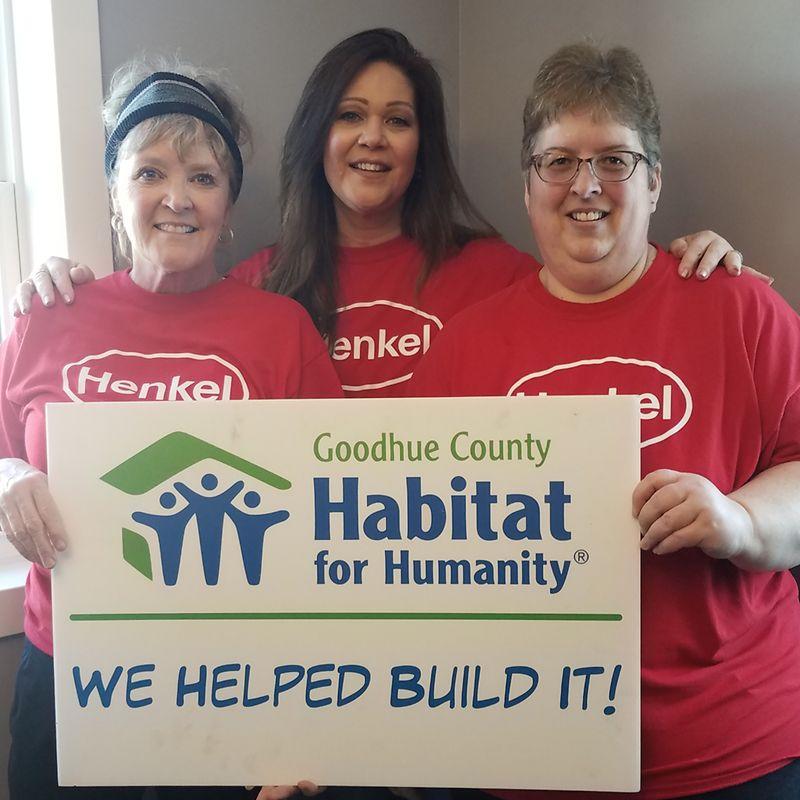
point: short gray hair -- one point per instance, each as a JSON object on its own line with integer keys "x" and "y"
{"x": 581, "y": 77}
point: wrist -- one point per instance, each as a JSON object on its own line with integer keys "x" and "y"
{"x": 749, "y": 551}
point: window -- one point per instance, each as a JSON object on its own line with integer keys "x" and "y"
{"x": 53, "y": 198}
{"x": 9, "y": 136}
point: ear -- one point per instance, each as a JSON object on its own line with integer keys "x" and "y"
{"x": 526, "y": 178}
{"x": 655, "y": 187}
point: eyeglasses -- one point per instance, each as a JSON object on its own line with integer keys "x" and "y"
{"x": 612, "y": 167}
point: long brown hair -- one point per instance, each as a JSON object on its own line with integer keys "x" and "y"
{"x": 437, "y": 213}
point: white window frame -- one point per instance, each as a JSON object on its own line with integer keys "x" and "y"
{"x": 51, "y": 162}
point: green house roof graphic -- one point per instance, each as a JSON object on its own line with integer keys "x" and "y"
{"x": 172, "y": 454}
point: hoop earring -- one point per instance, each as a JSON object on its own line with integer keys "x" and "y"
{"x": 226, "y": 235}
{"x": 116, "y": 223}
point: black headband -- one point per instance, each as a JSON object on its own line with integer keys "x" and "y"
{"x": 169, "y": 93}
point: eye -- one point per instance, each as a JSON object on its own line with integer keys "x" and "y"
{"x": 205, "y": 179}
{"x": 348, "y": 115}
{"x": 614, "y": 160}
{"x": 558, "y": 161}
{"x": 147, "y": 174}
{"x": 399, "y": 122}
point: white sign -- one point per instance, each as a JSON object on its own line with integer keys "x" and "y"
{"x": 436, "y": 592}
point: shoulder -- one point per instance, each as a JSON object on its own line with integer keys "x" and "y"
{"x": 495, "y": 250}
{"x": 489, "y": 317}
{"x": 744, "y": 297}
{"x": 254, "y": 269}
{"x": 490, "y": 263}
{"x": 249, "y": 296}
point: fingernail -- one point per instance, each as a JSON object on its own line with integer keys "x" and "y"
{"x": 684, "y": 273}
{"x": 68, "y": 298}
{"x": 48, "y": 562}
{"x": 48, "y": 301}
{"x": 60, "y": 544}
{"x": 702, "y": 274}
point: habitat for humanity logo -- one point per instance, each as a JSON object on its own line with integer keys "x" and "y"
{"x": 159, "y": 464}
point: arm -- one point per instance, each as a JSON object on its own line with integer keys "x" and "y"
{"x": 701, "y": 253}
{"x": 56, "y": 274}
{"x": 756, "y": 527}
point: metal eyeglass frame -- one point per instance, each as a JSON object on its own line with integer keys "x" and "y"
{"x": 537, "y": 158}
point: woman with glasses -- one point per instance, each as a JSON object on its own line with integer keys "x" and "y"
{"x": 718, "y": 504}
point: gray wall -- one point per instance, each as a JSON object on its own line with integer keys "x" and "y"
{"x": 727, "y": 74}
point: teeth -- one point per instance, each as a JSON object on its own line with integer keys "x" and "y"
{"x": 369, "y": 167}
{"x": 168, "y": 227}
{"x": 587, "y": 216}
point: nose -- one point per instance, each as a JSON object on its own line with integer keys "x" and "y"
{"x": 585, "y": 184}
{"x": 372, "y": 134}
{"x": 177, "y": 196}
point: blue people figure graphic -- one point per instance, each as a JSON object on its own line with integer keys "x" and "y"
{"x": 169, "y": 529}
{"x": 250, "y": 528}
{"x": 210, "y": 511}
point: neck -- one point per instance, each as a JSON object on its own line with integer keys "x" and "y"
{"x": 562, "y": 292}
{"x": 366, "y": 230}
{"x": 160, "y": 281}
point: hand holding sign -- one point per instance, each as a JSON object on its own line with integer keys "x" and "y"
{"x": 28, "y": 515}
{"x": 307, "y": 789}
{"x": 681, "y": 509}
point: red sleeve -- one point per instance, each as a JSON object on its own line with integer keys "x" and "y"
{"x": 318, "y": 378}
{"x": 12, "y": 428}
{"x": 775, "y": 354}
{"x": 524, "y": 265}
{"x": 252, "y": 271}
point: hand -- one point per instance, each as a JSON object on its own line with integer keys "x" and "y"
{"x": 307, "y": 788}
{"x": 28, "y": 514}
{"x": 55, "y": 274}
{"x": 680, "y": 509}
{"x": 701, "y": 253}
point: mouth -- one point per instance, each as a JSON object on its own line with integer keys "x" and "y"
{"x": 172, "y": 227}
{"x": 369, "y": 166}
{"x": 592, "y": 215}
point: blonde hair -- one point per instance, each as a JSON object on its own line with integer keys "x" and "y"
{"x": 180, "y": 131}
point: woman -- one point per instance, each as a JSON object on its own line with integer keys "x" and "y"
{"x": 174, "y": 169}
{"x": 718, "y": 506}
{"x": 379, "y": 240}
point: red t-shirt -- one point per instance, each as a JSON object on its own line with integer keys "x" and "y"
{"x": 384, "y": 325}
{"x": 122, "y": 343}
{"x": 717, "y": 369}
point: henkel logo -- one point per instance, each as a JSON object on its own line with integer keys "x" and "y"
{"x": 120, "y": 375}
{"x": 665, "y": 403}
{"x": 207, "y": 513}
{"x": 379, "y": 342}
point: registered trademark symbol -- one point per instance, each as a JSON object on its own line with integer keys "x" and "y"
{"x": 581, "y": 556}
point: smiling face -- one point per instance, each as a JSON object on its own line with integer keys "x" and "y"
{"x": 592, "y": 235}
{"x": 173, "y": 210}
{"x": 371, "y": 152}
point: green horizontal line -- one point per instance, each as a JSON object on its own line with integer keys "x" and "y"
{"x": 325, "y": 615}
